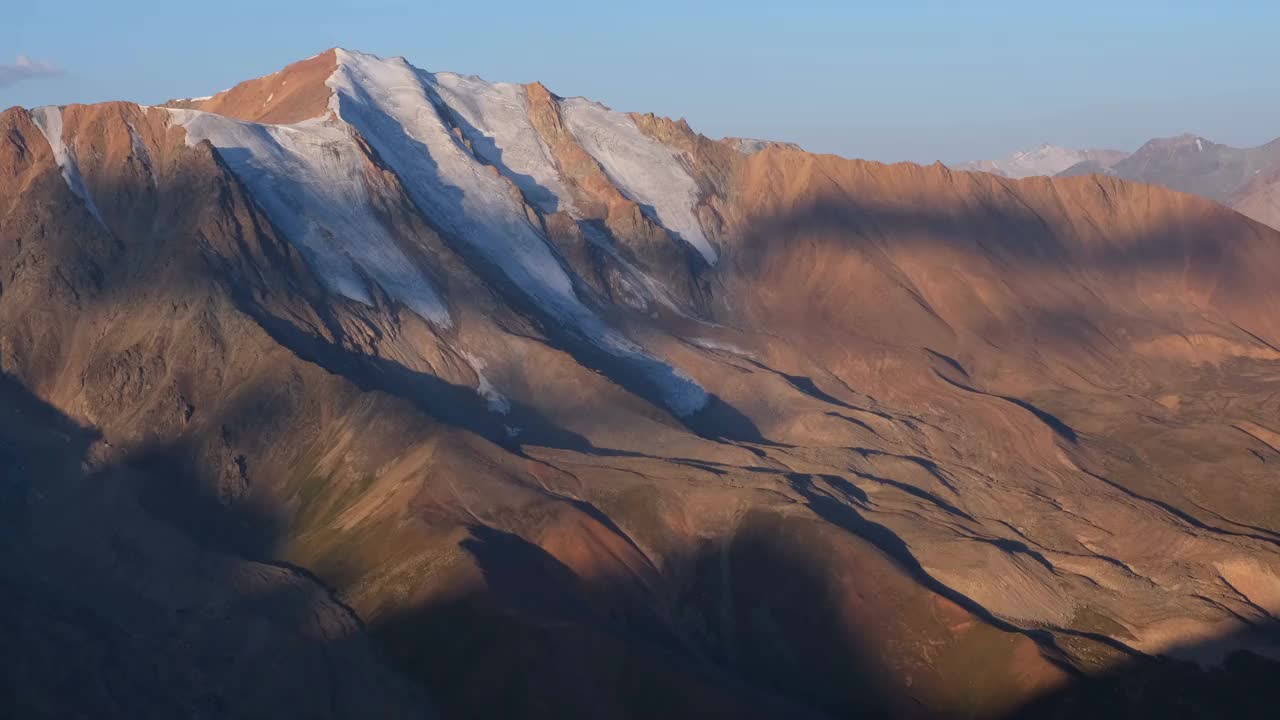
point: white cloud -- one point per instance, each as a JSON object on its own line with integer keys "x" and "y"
{"x": 24, "y": 68}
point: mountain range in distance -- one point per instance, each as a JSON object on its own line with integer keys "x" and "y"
{"x": 1245, "y": 179}
{"x": 1044, "y": 160}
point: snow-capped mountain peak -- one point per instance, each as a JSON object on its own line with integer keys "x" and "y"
{"x": 467, "y": 155}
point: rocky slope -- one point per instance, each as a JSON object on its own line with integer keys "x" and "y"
{"x": 441, "y": 394}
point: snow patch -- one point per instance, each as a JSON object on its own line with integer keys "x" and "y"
{"x": 495, "y": 119}
{"x": 710, "y": 344}
{"x": 644, "y": 169}
{"x": 495, "y": 400}
{"x": 751, "y": 146}
{"x": 49, "y": 120}
{"x": 139, "y": 149}
{"x": 310, "y": 179}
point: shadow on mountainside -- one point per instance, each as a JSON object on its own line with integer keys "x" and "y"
{"x": 1241, "y": 687}
{"x": 997, "y": 224}
{"x": 539, "y": 641}
{"x": 1055, "y": 247}
{"x": 1086, "y": 297}
{"x": 108, "y": 612}
{"x": 754, "y": 630}
{"x": 461, "y": 406}
{"x": 770, "y": 638}
{"x": 456, "y": 405}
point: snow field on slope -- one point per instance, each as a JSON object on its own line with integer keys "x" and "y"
{"x": 495, "y": 118}
{"x": 494, "y": 400}
{"x": 644, "y": 169}
{"x": 388, "y": 102}
{"x": 49, "y": 120}
{"x": 310, "y": 180}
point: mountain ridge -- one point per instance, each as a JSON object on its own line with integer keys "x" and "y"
{"x": 1241, "y": 178}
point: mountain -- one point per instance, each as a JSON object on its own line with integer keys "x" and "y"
{"x": 1246, "y": 179}
{"x": 359, "y": 390}
{"x": 1190, "y": 163}
{"x": 1238, "y": 177}
{"x": 1044, "y": 160}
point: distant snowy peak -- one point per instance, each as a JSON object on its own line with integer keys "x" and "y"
{"x": 1044, "y": 160}
{"x": 751, "y": 146}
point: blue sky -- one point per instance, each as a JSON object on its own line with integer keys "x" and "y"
{"x": 905, "y": 80}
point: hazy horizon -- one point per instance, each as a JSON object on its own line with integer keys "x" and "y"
{"x": 921, "y": 81}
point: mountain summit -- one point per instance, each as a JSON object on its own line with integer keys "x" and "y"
{"x": 359, "y": 390}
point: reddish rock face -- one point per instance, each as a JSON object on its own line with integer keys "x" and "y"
{"x": 961, "y": 441}
{"x": 291, "y": 95}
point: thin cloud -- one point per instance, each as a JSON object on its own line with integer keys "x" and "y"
{"x": 24, "y": 68}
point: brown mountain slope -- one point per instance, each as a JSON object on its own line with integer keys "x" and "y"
{"x": 983, "y": 253}
{"x": 1083, "y": 294}
{"x": 966, "y": 438}
{"x": 294, "y": 94}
